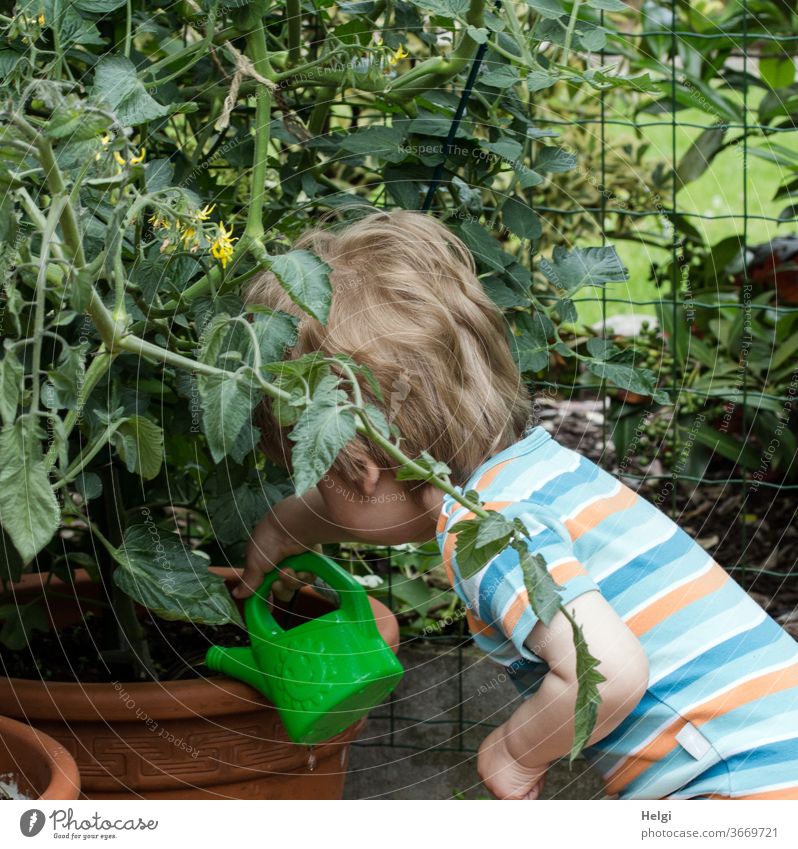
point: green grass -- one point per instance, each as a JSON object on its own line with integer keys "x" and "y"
{"x": 718, "y": 192}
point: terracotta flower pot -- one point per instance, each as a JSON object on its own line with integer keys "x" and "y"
{"x": 40, "y": 767}
{"x": 206, "y": 738}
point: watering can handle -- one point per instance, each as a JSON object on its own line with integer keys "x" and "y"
{"x": 353, "y": 598}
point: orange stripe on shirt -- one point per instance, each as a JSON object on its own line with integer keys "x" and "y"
{"x": 488, "y": 505}
{"x": 677, "y": 599}
{"x": 749, "y": 691}
{"x": 477, "y": 626}
{"x": 563, "y": 572}
{"x": 487, "y": 479}
{"x": 510, "y": 619}
{"x": 595, "y": 513}
{"x": 781, "y": 793}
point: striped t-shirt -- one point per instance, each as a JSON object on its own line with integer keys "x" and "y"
{"x": 720, "y": 715}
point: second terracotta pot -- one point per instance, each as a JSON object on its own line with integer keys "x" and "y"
{"x": 39, "y": 767}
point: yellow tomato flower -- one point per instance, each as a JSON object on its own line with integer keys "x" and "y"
{"x": 222, "y": 247}
{"x": 188, "y": 234}
{"x": 399, "y": 53}
{"x": 158, "y": 221}
{"x": 40, "y": 19}
{"x": 205, "y": 212}
{"x": 134, "y": 160}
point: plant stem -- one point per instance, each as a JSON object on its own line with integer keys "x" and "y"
{"x": 293, "y": 11}
{"x": 128, "y": 26}
{"x": 256, "y": 42}
{"x": 56, "y": 208}
{"x": 97, "y": 368}
{"x": 87, "y": 456}
{"x": 569, "y": 32}
{"x": 130, "y": 632}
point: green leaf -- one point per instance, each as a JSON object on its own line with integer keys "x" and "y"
{"x": 638, "y": 82}
{"x": 504, "y": 148}
{"x": 67, "y": 378}
{"x": 413, "y": 592}
{"x": 29, "y": 511}
{"x": 140, "y": 445}
{"x": 608, "y": 5}
{"x": 601, "y": 349}
{"x": 306, "y": 279}
{"x": 10, "y": 381}
{"x": 472, "y": 557}
{"x": 89, "y": 485}
{"x": 521, "y": 219}
{"x": 543, "y": 591}
{"x": 700, "y": 155}
{"x": 554, "y": 159}
{"x": 275, "y": 332}
{"x": 479, "y": 35}
{"x": 116, "y": 83}
{"x": 643, "y": 381}
{"x": 324, "y": 427}
{"x": 503, "y": 76}
{"x": 551, "y": 9}
{"x": 227, "y": 404}
{"x": 71, "y": 121}
{"x": 383, "y": 142}
{"x": 531, "y": 346}
{"x": 527, "y": 178}
{"x": 593, "y": 39}
{"x": 19, "y": 623}
{"x": 539, "y": 80}
{"x": 588, "y": 697}
{"x": 235, "y": 510}
{"x": 777, "y": 71}
{"x": 571, "y": 270}
{"x": 484, "y": 246}
{"x": 493, "y": 528}
{"x": 724, "y": 444}
{"x": 98, "y": 7}
{"x": 298, "y": 377}
{"x": 157, "y": 570}
{"x": 446, "y": 8}
{"x": 79, "y": 288}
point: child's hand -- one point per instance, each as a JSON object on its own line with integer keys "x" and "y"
{"x": 268, "y": 546}
{"x": 501, "y": 773}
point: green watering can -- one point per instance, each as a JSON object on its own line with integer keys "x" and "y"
{"x": 324, "y": 674}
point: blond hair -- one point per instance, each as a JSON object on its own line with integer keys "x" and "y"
{"x": 407, "y": 303}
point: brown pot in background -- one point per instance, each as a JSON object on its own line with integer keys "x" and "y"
{"x": 40, "y": 766}
{"x": 206, "y": 738}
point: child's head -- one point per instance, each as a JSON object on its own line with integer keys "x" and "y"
{"x": 407, "y": 303}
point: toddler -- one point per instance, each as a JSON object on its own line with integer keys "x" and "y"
{"x": 700, "y": 698}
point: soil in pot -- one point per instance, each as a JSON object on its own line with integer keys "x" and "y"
{"x": 202, "y": 737}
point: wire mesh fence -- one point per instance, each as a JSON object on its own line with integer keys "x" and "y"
{"x": 722, "y": 307}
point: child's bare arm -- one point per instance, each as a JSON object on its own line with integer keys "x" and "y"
{"x": 335, "y": 512}
{"x": 514, "y": 758}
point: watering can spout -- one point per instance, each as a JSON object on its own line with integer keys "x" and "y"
{"x": 236, "y": 663}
